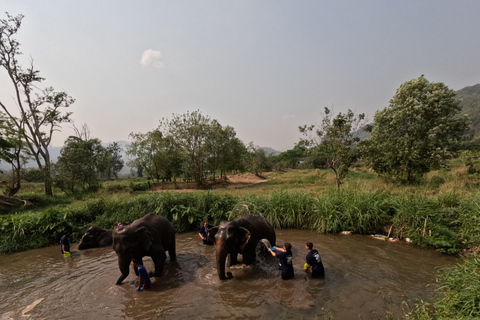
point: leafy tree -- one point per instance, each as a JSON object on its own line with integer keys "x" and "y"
{"x": 154, "y": 154}
{"x": 289, "y": 158}
{"x": 417, "y": 132}
{"x": 5, "y": 148}
{"x": 18, "y": 154}
{"x": 225, "y": 150}
{"x": 336, "y": 138}
{"x": 113, "y": 158}
{"x": 190, "y": 132}
{"x": 256, "y": 161}
{"x": 38, "y": 112}
{"x": 203, "y": 144}
{"x": 80, "y": 164}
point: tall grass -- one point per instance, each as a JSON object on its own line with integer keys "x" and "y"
{"x": 457, "y": 294}
{"x": 443, "y": 221}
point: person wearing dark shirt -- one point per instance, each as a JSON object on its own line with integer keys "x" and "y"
{"x": 141, "y": 271}
{"x": 64, "y": 244}
{"x": 286, "y": 259}
{"x": 203, "y": 233}
{"x": 314, "y": 262}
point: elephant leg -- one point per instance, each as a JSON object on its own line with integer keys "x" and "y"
{"x": 249, "y": 257}
{"x": 159, "y": 261}
{"x": 171, "y": 251}
{"x": 233, "y": 259}
{"x": 124, "y": 265}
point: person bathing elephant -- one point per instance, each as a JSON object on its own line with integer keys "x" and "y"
{"x": 95, "y": 237}
{"x": 239, "y": 236}
{"x": 151, "y": 235}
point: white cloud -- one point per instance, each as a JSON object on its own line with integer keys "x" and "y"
{"x": 152, "y": 57}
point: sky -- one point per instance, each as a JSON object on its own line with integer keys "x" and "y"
{"x": 263, "y": 67}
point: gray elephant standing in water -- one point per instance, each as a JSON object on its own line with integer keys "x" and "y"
{"x": 239, "y": 236}
{"x": 151, "y": 236}
{"x": 96, "y": 237}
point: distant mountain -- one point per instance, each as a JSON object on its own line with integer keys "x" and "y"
{"x": 470, "y": 102}
{"x": 270, "y": 152}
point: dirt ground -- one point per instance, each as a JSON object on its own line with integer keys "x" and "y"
{"x": 233, "y": 181}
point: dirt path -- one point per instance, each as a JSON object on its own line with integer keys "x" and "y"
{"x": 234, "y": 181}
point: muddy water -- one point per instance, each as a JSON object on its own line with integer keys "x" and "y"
{"x": 364, "y": 276}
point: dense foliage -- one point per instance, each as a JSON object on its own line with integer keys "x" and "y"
{"x": 418, "y": 132}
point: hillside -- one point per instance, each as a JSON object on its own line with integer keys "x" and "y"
{"x": 470, "y": 102}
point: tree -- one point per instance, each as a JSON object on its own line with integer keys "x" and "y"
{"x": 113, "y": 160}
{"x": 417, "y": 132}
{"x": 154, "y": 154}
{"x": 38, "y": 112}
{"x": 336, "y": 138}
{"x": 18, "y": 154}
{"x": 289, "y": 158}
{"x": 80, "y": 164}
{"x": 256, "y": 160}
{"x": 190, "y": 132}
{"x": 226, "y": 152}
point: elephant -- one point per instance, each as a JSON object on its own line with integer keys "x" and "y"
{"x": 239, "y": 236}
{"x": 96, "y": 237}
{"x": 151, "y": 235}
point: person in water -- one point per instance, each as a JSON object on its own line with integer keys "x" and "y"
{"x": 142, "y": 273}
{"x": 286, "y": 259}
{"x": 314, "y": 262}
{"x": 64, "y": 243}
{"x": 203, "y": 233}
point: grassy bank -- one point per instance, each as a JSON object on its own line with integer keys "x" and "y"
{"x": 446, "y": 222}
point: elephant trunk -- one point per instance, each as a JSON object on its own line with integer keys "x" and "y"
{"x": 222, "y": 254}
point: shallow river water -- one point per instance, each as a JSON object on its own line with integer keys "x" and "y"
{"x": 365, "y": 279}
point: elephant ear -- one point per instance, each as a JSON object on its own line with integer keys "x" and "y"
{"x": 211, "y": 233}
{"x": 145, "y": 238}
{"x": 243, "y": 238}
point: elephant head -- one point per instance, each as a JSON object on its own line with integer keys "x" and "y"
{"x": 95, "y": 237}
{"x": 230, "y": 239}
{"x": 130, "y": 242}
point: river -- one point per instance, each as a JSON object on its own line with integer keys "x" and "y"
{"x": 365, "y": 279}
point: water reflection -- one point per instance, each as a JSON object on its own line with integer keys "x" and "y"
{"x": 42, "y": 284}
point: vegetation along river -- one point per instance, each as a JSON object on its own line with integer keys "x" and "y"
{"x": 365, "y": 278}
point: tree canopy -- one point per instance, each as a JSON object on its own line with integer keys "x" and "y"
{"x": 417, "y": 132}
{"x": 336, "y": 138}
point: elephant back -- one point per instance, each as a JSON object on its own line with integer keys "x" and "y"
{"x": 160, "y": 229}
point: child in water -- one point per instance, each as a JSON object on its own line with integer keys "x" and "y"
{"x": 142, "y": 273}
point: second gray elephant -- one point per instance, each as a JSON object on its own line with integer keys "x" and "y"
{"x": 239, "y": 236}
{"x": 96, "y": 237}
{"x": 152, "y": 236}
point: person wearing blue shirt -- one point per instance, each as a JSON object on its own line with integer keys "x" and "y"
{"x": 142, "y": 273}
{"x": 286, "y": 259}
{"x": 314, "y": 262}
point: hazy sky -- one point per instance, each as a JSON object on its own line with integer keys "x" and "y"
{"x": 263, "y": 67}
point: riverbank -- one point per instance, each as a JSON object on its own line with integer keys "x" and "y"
{"x": 445, "y": 222}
